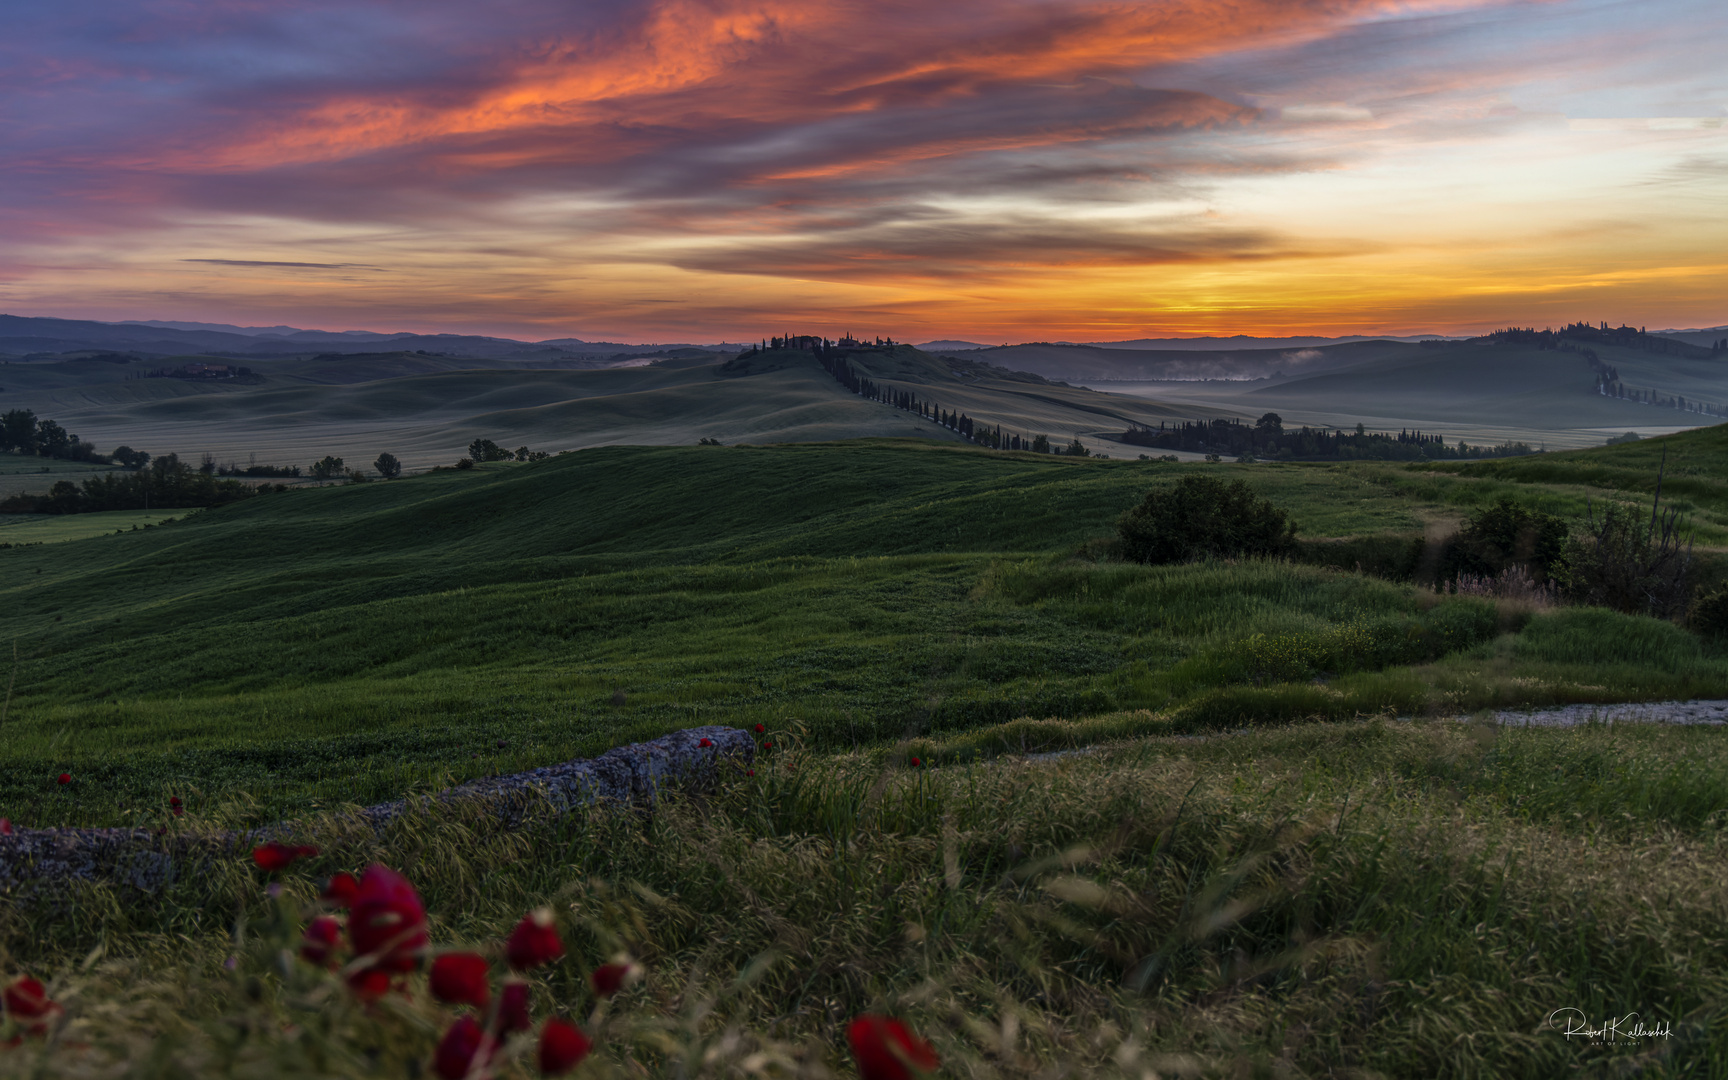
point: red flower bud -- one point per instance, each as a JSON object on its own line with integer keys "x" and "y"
{"x": 369, "y": 984}
{"x": 513, "y": 1012}
{"x": 608, "y": 979}
{"x": 706, "y": 742}
{"x": 534, "y": 941}
{"x": 341, "y": 890}
{"x": 562, "y": 1047}
{"x": 28, "y": 1004}
{"x": 462, "y": 979}
{"x": 320, "y": 940}
{"x": 464, "y": 1048}
{"x": 760, "y": 729}
{"x": 173, "y": 800}
{"x": 64, "y": 778}
{"x": 886, "y": 1049}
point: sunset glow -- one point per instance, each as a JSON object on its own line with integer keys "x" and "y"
{"x": 703, "y": 170}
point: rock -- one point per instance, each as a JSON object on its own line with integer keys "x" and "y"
{"x": 149, "y": 861}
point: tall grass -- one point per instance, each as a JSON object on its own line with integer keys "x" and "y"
{"x": 1371, "y": 898}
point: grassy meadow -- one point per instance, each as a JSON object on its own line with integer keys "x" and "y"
{"x": 1246, "y": 866}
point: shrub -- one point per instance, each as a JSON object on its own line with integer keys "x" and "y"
{"x": 1201, "y": 517}
{"x": 1503, "y": 536}
{"x": 1708, "y": 616}
{"x": 1629, "y": 564}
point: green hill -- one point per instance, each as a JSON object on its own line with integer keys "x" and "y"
{"x": 350, "y": 643}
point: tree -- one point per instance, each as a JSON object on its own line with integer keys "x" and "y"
{"x": 18, "y": 431}
{"x": 1041, "y": 444}
{"x": 52, "y": 440}
{"x": 387, "y": 465}
{"x": 132, "y": 459}
{"x": 1077, "y": 449}
{"x": 487, "y": 450}
{"x": 1270, "y": 424}
{"x": 1202, "y": 517}
{"x": 327, "y": 467}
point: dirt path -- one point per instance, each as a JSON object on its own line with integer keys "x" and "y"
{"x": 1642, "y": 712}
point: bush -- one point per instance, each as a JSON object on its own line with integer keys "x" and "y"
{"x": 1633, "y": 564}
{"x": 1501, "y": 537}
{"x": 1203, "y": 517}
{"x": 1708, "y": 616}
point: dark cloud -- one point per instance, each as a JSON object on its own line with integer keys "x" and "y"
{"x": 294, "y": 265}
{"x": 949, "y": 249}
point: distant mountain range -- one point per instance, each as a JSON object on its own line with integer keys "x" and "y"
{"x": 1237, "y": 342}
{"x": 1234, "y": 343}
{"x": 24, "y": 337}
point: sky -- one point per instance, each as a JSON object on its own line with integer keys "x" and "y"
{"x": 989, "y": 170}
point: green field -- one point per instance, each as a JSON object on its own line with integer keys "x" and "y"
{"x": 346, "y": 644}
{"x": 18, "y": 529}
{"x": 1249, "y": 867}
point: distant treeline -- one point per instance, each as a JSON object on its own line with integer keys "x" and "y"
{"x": 197, "y": 371}
{"x": 832, "y": 355}
{"x": 1580, "y": 336}
{"x": 1625, "y": 337}
{"x": 1269, "y": 439}
{"x": 166, "y": 482}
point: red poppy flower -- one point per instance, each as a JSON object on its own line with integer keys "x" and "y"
{"x": 749, "y": 772}
{"x": 706, "y": 742}
{"x": 886, "y": 1049}
{"x": 767, "y": 746}
{"x": 341, "y": 890}
{"x": 369, "y": 984}
{"x": 65, "y": 778}
{"x": 562, "y": 1047}
{"x": 174, "y": 800}
{"x": 274, "y": 856}
{"x": 462, "y": 979}
{"x": 916, "y": 763}
{"x": 321, "y": 938}
{"x": 760, "y": 729}
{"x": 179, "y": 811}
{"x": 464, "y": 1048}
{"x": 28, "y": 1004}
{"x": 513, "y": 1008}
{"x": 388, "y": 923}
{"x": 5, "y": 826}
{"x": 608, "y": 979}
{"x": 534, "y": 941}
